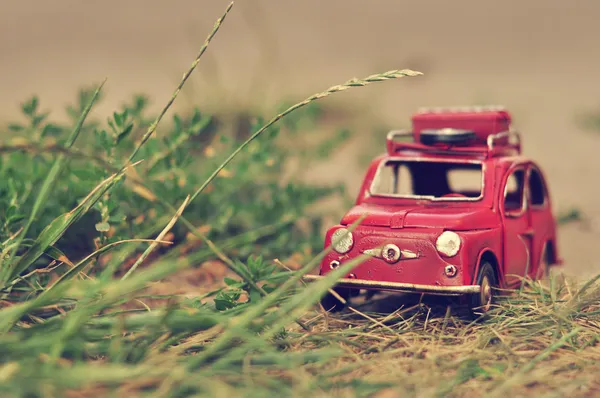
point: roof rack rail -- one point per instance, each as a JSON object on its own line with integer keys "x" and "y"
{"x": 399, "y": 133}
{"x": 392, "y": 135}
{"x": 462, "y": 109}
{"x": 492, "y": 138}
{"x": 491, "y": 149}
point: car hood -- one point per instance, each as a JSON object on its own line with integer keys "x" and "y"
{"x": 451, "y": 217}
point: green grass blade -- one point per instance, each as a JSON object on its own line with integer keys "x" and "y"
{"x": 584, "y": 288}
{"x": 158, "y": 238}
{"x": 292, "y": 309}
{"x": 71, "y": 273}
{"x": 242, "y": 323}
{"x": 55, "y": 230}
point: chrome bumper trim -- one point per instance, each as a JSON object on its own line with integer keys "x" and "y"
{"x": 401, "y": 287}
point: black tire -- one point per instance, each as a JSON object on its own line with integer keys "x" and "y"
{"x": 481, "y": 303}
{"x": 543, "y": 271}
{"x": 370, "y": 294}
{"x": 330, "y": 303}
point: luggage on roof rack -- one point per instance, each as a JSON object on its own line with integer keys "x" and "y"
{"x": 481, "y": 131}
{"x": 447, "y": 136}
{"x": 482, "y": 121}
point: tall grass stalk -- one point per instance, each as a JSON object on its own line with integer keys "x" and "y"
{"x": 393, "y": 74}
{"x": 185, "y": 77}
{"x": 159, "y": 238}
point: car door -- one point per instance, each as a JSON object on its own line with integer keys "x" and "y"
{"x": 517, "y": 231}
{"x": 540, "y": 215}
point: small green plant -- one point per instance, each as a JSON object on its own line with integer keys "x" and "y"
{"x": 258, "y": 271}
{"x": 97, "y": 210}
{"x": 249, "y": 196}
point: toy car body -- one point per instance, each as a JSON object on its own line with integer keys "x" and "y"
{"x": 457, "y": 211}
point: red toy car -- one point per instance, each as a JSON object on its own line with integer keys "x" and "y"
{"x": 458, "y": 211}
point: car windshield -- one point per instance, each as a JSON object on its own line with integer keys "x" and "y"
{"x": 434, "y": 180}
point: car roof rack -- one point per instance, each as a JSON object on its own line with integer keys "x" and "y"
{"x": 447, "y": 136}
{"x": 462, "y": 109}
{"x": 497, "y": 145}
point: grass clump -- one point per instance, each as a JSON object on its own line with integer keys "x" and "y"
{"x": 95, "y": 214}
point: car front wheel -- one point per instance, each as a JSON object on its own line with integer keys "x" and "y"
{"x": 331, "y": 303}
{"x": 481, "y": 303}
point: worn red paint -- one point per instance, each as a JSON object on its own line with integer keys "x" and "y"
{"x": 509, "y": 231}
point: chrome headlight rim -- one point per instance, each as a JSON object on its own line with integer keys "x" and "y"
{"x": 346, "y": 243}
{"x": 448, "y": 243}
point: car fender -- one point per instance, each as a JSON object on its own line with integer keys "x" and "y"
{"x": 496, "y": 264}
{"x": 475, "y": 245}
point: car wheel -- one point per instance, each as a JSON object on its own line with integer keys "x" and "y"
{"x": 543, "y": 270}
{"x": 481, "y": 303}
{"x": 331, "y": 303}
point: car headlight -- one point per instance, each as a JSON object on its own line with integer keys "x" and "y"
{"x": 448, "y": 243}
{"x": 344, "y": 240}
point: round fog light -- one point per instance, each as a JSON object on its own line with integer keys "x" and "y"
{"x": 334, "y": 264}
{"x": 450, "y": 270}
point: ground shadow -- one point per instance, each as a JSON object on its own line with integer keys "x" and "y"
{"x": 384, "y": 303}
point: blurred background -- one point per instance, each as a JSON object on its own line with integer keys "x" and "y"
{"x": 538, "y": 58}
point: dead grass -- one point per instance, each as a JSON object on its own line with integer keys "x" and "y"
{"x": 541, "y": 342}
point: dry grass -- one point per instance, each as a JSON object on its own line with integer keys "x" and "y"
{"x": 542, "y": 341}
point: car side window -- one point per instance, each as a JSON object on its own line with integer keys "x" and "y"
{"x": 513, "y": 191}
{"x": 537, "y": 190}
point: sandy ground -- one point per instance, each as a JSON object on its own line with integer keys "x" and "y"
{"x": 539, "y": 58}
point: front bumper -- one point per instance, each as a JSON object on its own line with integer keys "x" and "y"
{"x": 401, "y": 287}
